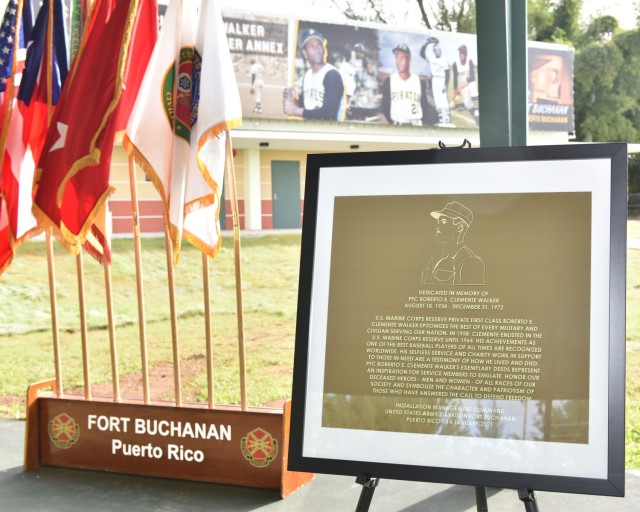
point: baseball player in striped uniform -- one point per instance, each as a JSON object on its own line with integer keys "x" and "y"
{"x": 257, "y": 82}
{"x": 403, "y": 92}
{"x": 439, "y": 66}
{"x": 464, "y": 82}
{"x": 323, "y": 94}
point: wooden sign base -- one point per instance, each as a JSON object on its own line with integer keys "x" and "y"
{"x": 223, "y": 445}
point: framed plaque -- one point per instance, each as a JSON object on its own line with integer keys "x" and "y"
{"x": 461, "y": 317}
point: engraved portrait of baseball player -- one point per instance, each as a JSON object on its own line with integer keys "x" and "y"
{"x": 323, "y": 94}
{"x": 404, "y": 98}
{"x": 439, "y": 65}
{"x": 455, "y": 263}
{"x": 464, "y": 82}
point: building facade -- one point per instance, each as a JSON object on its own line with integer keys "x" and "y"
{"x": 398, "y": 90}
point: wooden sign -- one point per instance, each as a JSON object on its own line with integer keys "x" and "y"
{"x": 222, "y": 445}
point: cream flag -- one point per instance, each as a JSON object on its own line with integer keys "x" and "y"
{"x": 218, "y": 111}
{"x": 176, "y": 133}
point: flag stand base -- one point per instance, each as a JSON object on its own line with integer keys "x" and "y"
{"x": 223, "y": 445}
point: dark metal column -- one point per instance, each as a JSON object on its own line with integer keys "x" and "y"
{"x": 502, "y": 72}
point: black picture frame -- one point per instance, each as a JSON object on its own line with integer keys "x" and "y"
{"x": 328, "y": 176}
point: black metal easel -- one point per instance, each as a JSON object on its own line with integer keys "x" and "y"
{"x": 465, "y": 144}
{"x": 528, "y": 498}
{"x": 369, "y": 483}
{"x": 481, "y": 499}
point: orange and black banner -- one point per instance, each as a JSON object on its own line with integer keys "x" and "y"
{"x": 550, "y": 89}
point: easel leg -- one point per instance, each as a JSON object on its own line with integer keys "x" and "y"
{"x": 366, "y": 495}
{"x": 481, "y": 499}
{"x": 529, "y": 500}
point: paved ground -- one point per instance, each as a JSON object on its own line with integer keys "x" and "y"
{"x": 53, "y": 489}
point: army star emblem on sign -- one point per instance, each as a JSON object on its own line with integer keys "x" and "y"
{"x": 64, "y": 431}
{"x": 259, "y": 447}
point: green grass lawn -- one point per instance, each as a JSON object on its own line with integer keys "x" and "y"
{"x": 270, "y": 283}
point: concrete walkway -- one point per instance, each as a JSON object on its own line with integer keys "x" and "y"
{"x": 49, "y": 489}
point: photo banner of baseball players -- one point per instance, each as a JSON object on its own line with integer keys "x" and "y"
{"x": 260, "y": 53}
{"x": 428, "y": 80}
{"x": 292, "y": 69}
{"x": 550, "y": 88}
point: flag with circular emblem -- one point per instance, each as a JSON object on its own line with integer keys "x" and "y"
{"x": 188, "y": 99}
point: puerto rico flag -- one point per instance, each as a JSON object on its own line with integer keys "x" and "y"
{"x": 41, "y": 81}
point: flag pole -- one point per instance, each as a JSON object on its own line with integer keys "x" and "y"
{"x": 50, "y": 64}
{"x": 83, "y": 327}
{"x": 112, "y": 332}
{"x": 54, "y": 315}
{"x": 139, "y": 282}
{"x": 174, "y": 320}
{"x": 7, "y": 117}
{"x": 79, "y": 267}
{"x": 236, "y": 250}
{"x": 50, "y": 264}
{"x": 207, "y": 328}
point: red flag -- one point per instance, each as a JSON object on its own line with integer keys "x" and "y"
{"x": 72, "y": 178}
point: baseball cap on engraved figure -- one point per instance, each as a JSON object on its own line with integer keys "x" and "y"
{"x": 455, "y": 210}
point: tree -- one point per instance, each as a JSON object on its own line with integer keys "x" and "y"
{"x": 367, "y": 10}
{"x": 540, "y": 20}
{"x": 600, "y": 29}
{"x": 457, "y": 16}
{"x": 606, "y": 68}
{"x": 607, "y": 78}
{"x": 567, "y": 20}
{"x": 447, "y": 15}
{"x": 554, "y": 21}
